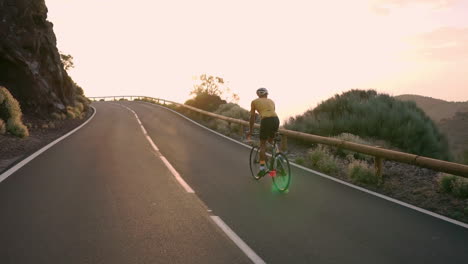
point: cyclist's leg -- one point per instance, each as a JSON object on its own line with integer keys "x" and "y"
{"x": 273, "y": 129}
{"x": 262, "y": 151}
{"x": 263, "y": 138}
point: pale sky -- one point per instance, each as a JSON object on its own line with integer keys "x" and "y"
{"x": 303, "y": 52}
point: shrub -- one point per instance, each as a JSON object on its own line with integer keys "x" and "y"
{"x": 361, "y": 172}
{"x": 229, "y": 110}
{"x": 371, "y": 115}
{"x": 205, "y": 101}
{"x": 446, "y": 183}
{"x": 460, "y": 188}
{"x": 455, "y": 185}
{"x": 79, "y": 107}
{"x": 354, "y": 139}
{"x": 300, "y": 161}
{"x": 71, "y": 113}
{"x": 56, "y": 116}
{"x": 17, "y": 128}
{"x": 321, "y": 159}
{"x": 10, "y": 111}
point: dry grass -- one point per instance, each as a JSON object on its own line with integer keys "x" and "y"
{"x": 10, "y": 111}
{"x": 457, "y": 186}
{"x": 322, "y": 160}
{"x": 360, "y": 172}
{"x": 78, "y": 111}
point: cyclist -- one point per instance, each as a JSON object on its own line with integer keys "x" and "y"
{"x": 268, "y": 126}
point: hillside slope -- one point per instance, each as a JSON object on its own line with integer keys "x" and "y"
{"x": 451, "y": 118}
{"x": 436, "y": 109}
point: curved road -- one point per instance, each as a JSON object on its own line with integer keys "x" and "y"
{"x": 103, "y": 196}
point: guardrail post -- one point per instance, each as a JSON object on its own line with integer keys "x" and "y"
{"x": 378, "y": 162}
{"x": 241, "y": 130}
{"x": 284, "y": 143}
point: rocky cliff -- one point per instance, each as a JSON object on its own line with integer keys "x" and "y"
{"x": 30, "y": 65}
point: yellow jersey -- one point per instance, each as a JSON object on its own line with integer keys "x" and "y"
{"x": 265, "y": 107}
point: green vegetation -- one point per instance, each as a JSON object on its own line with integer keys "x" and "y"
{"x": 457, "y": 186}
{"x": 10, "y": 111}
{"x": 322, "y": 160}
{"x": 67, "y": 61}
{"x": 379, "y": 116}
{"x": 208, "y": 93}
{"x": 361, "y": 172}
{"x": 229, "y": 110}
{"x": 355, "y": 139}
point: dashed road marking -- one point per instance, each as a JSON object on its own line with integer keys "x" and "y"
{"x": 237, "y": 240}
{"x": 158, "y": 153}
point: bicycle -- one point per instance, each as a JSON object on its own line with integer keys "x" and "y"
{"x": 277, "y": 164}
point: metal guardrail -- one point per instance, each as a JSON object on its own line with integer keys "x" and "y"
{"x": 379, "y": 153}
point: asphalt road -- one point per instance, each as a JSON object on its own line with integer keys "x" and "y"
{"x": 102, "y": 196}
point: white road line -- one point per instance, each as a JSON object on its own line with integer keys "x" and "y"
{"x": 421, "y": 210}
{"x": 158, "y": 153}
{"x": 228, "y": 231}
{"x": 20, "y": 164}
{"x": 237, "y": 240}
{"x": 177, "y": 175}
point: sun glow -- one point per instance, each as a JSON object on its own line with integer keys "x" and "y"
{"x": 303, "y": 51}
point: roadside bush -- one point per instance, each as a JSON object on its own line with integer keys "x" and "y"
{"x": 360, "y": 172}
{"x": 446, "y": 183}
{"x": 10, "y": 111}
{"x": 73, "y": 112}
{"x": 229, "y": 110}
{"x": 354, "y": 139}
{"x": 460, "y": 188}
{"x": 455, "y": 185}
{"x": 58, "y": 116}
{"x": 379, "y": 116}
{"x": 300, "y": 161}
{"x": 205, "y": 101}
{"x": 321, "y": 159}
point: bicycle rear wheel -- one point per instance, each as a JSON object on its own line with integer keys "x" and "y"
{"x": 254, "y": 162}
{"x": 282, "y": 179}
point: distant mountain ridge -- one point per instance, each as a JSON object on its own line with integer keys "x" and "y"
{"x": 450, "y": 117}
{"x": 436, "y": 109}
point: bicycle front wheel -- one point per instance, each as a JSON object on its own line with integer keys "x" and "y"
{"x": 282, "y": 179}
{"x": 254, "y": 162}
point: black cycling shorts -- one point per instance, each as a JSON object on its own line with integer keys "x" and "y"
{"x": 268, "y": 127}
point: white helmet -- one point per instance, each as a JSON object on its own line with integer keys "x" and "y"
{"x": 262, "y": 91}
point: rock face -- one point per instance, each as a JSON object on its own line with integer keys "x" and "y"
{"x": 30, "y": 65}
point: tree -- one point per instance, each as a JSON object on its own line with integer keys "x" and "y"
{"x": 214, "y": 86}
{"x": 67, "y": 61}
